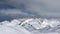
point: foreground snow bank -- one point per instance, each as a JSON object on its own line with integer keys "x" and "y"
{"x": 8, "y": 30}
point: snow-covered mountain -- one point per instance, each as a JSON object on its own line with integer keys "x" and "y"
{"x": 32, "y": 25}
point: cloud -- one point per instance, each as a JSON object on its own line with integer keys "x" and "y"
{"x": 12, "y": 11}
{"x": 49, "y": 8}
{"x": 15, "y": 3}
{"x": 9, "y": 14}
{"x": 15, "y": 13}
{"x": 44, "y": 8}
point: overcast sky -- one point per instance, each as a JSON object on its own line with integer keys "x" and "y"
{"x": 29, "y": 8}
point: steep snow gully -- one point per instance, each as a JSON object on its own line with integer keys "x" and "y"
{"x": 30, "y": 26}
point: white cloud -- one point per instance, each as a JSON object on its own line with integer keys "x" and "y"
{"x": 12, "y": 11}
{"x": 15, "y": 12}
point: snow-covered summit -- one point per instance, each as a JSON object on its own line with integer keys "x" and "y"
{"x": 32, "y": 24}
{"x": 41, "y": 23}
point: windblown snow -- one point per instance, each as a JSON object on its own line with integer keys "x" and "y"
{"x": 30, "y": 26}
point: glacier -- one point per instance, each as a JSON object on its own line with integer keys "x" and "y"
{"x": 30, "y": 26}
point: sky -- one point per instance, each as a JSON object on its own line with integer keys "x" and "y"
{"x": 12, "y": 9}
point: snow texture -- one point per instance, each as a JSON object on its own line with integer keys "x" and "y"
{"x": 30, "y": 26}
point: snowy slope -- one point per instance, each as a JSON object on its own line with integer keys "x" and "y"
{"x": 8, "y": 30}
{"x": 30, "y": 26}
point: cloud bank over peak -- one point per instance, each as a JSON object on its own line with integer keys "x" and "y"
{"x": 45, "y": 8}
{"x": 15, "y": 13}
{"x": 32, "y": 8}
